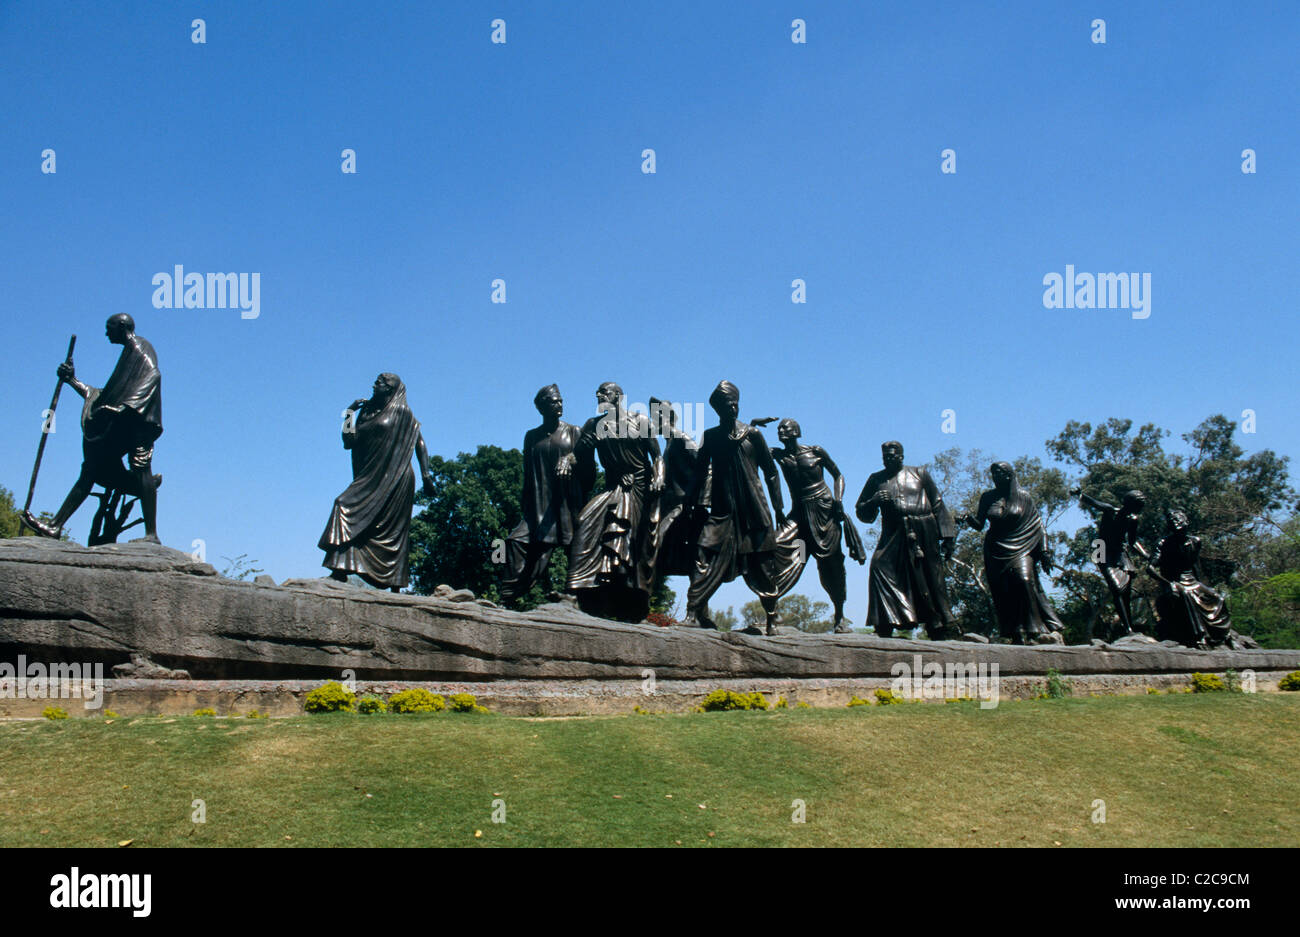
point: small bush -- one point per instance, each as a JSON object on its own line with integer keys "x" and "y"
{"x": 1232, "y": 680}
{"x": 54, "y": 712}
{"x": 1152, "y": 691}
{"x": 331, "y": 697}
{"x": 1291, "y": 682}
{"x": 1058, "y": 687}
{"x": 416, "y": 700}
{"x": 886, "y": 697}
{"x": 726, "y": 700}
{"x": 1208, "y": 683}
{"x": 368, "y": 705}
{"x": 856, "y": 700}
{"x": 781, "y": 703}
{"x": 802, "y": 705}
{"x": 109, "y": 714}
{"x": 464, "y": 703}
{"x": 254, "y": 714}
{"x": 205, "y": 712}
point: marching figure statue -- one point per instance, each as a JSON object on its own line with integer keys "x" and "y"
{"x": 738, "y": 537}
{"x": 1014, "y": 548}
{"x": 672, "y": 552}
{"x": 121, "y": 419}
{"x": 608, "y": 565}
{"x": 1117, "y": 533}
{"x": 907, "y": 587}
{"x": 1187, "y": 611}
{"x": 818, "y": 512}
{"x": 369, "y": 529}
{"x": 552, "y": 496}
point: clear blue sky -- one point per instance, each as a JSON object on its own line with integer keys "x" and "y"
{"x": 523, "y": 161}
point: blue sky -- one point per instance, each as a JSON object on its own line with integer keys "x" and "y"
{"x": 522, "y": 161}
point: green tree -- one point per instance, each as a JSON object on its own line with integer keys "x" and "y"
{"x": 795, "y": 610}
{"x": 9, "y": 524}
{"x": 459, "y": 536}
{"x": 662, "y": 598}
{"x": 726, "y": 621}
{"x": 1230, "y": 500}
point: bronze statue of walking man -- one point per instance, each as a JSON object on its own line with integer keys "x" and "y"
{"x": 551, "y": 499}
{"x": 818, "y": 512}
{"x": 608, "y": 568}
{"x": 737, "y": 536}
{"x": 121, "y": 419}
{"x": 917, "y": 533}
{"x": 1117, "y": 529}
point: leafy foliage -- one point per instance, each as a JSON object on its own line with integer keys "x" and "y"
{"x": 464, "y": 703}
{"x": 1229, "y": 499}
{"x": 330, "y": 697}
{"x": 415, "y": 700}
{"x": 473, "y": 508}
{"x": 795, "y": 610}
{"x": 1208, "y": 683}
{"x": 726, "y": 700}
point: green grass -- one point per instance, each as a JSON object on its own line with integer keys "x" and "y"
{"x": 1203, "y": 770}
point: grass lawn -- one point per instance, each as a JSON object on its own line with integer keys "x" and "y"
{"x": 1186, "y": 770}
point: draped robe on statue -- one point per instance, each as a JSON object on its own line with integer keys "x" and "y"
{"x": 738, "y": 537}
{"x": 613, "y": 534}
{"x": 1188, "y": 611}
{"x": 369, "y": 527}
{"x": 550, "y": 504}
{"x": 1012, "y": 545}
{"x": 906, "y": 577}
{"x": 672, "y": 550}
{"x": 124, "y": 417}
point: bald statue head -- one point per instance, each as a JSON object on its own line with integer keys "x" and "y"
{"x": 119, "y": 328}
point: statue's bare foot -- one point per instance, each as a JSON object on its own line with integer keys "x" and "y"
{"x": 149, "y": 538}
{"x": 40, "y": 527}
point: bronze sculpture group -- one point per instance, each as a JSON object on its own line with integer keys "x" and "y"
{"x": 712, "y": 511}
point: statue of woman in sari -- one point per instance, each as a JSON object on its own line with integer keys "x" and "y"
{"x": 1014, "y": 548}
{"x": 1187, "y": 611}
{"x": 818, "y": 512}
{"x": 370, "y": 525}
{"x": 737, "y": 537}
